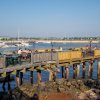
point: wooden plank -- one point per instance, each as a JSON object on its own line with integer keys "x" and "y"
{"x": 23, "y": 70}
{"x": 39, "y": 68}
{"x": 31, "y": 69}
{"x": 64, "y": 64}
{"x": 77, "y": 62}
{"x": 14, "y": 72}
{"x": 3, "y": 74}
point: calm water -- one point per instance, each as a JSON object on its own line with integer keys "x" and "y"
{"x": 45, "y": 74}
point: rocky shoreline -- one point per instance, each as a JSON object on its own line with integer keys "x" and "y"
{"x": 61, "y": 88}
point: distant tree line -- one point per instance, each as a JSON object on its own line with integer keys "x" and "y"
{"x": 49, "y": 38}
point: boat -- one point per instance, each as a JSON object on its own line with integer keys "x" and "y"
{"x": 26, "y": 44}
{"x": 8, "y": 46}
{"x": 2, "y": 44}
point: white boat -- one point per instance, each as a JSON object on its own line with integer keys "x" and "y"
{"x": 8, "y": 46}
{"x": 19, "y": 45}
{"x": 25, "y": 44}
{"x": 2, "y": 44}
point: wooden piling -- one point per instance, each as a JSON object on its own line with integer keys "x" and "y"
{"x": 8, "y": 79}
{"x": 62, "y": 70}
{"x": 90, "y": 69}
{"x": 67, "y": 72}
{"x": 50, "y": 75}
{"x": 21, "y": 78}
{"x": 84, "y": 70}
{"x": 17, "y": 79}
{"x": 74, "y": 72}
{"x": 98, "y": 70}
{"x": 77, "y": 70}
{"x": 39, "y": 76}
{"x": 3, "y": 85}
{"x": 54, "y": 76}
{"x": 31, "y": 77}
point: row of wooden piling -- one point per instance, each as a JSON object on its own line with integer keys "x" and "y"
{"x": 76, "y": 70}
{"x": 64, "y": 71}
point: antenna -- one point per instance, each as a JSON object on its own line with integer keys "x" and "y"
{"x": 66, "y": 41}
{"x": 18, "y": 38}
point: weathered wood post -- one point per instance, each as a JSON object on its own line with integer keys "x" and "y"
{"x": 98, "y": 70}
{"x": 77, "y": 70}
{"x": 8, "y": 79}
{"x": 74, "y": 71}
{"x": 4, "y": 82}
{"x": 32, "y": 56}
{"x": 84, "y": 70}
{"x": 39, "y": 76}
{"x": 62, "y": 71}
{"x": 21, "y": 78}
{"x": 52, "y": 72}
{"x": 67, "y": 72}
{"x": 50, "y": 75}
{"x": 91, "y": 70}
{"x": 31, "y": 77}
{"x": 54, "y": 76}
{"x": 17, "y": 78}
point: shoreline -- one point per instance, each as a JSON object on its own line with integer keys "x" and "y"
{"x": 56, "y": 41}
{"x": 70, "y": 89}
{"x": 60, "y": 89}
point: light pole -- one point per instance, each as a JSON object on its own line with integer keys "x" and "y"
{"x": 90, "y": 44}
{"x": 51, "y": 50}
{"x": 34, "y": 46}
{"x": 33, "y": 53}
{"x": 51, "y": 45}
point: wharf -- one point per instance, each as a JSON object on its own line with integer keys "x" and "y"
{"x": 49, "y": 61}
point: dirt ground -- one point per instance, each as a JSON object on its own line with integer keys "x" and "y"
{"x": 59, "y": 96}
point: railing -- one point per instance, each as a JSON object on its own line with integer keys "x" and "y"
{"x": 11, "y": 60}
{"x": 39, "y": 57}
{"x": 44, "y": 56}
{"x": 2, "y": 61}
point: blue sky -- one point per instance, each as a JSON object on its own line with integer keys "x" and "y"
{"x": 50, "y": 18}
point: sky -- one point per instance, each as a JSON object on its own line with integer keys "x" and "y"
{"x": 50, "y": 18}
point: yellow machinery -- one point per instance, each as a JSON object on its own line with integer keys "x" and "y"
{"x": 69, "y": 55}
{"x": 97, "y": 52}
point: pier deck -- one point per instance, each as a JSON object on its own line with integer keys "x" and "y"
{"x": 45, "y": 60}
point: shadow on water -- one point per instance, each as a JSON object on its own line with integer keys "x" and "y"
{"x": 92, "y": 83}
{"x": 19, "y": 95}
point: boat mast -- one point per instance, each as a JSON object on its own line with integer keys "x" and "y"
{"x": 18, "y": 39}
